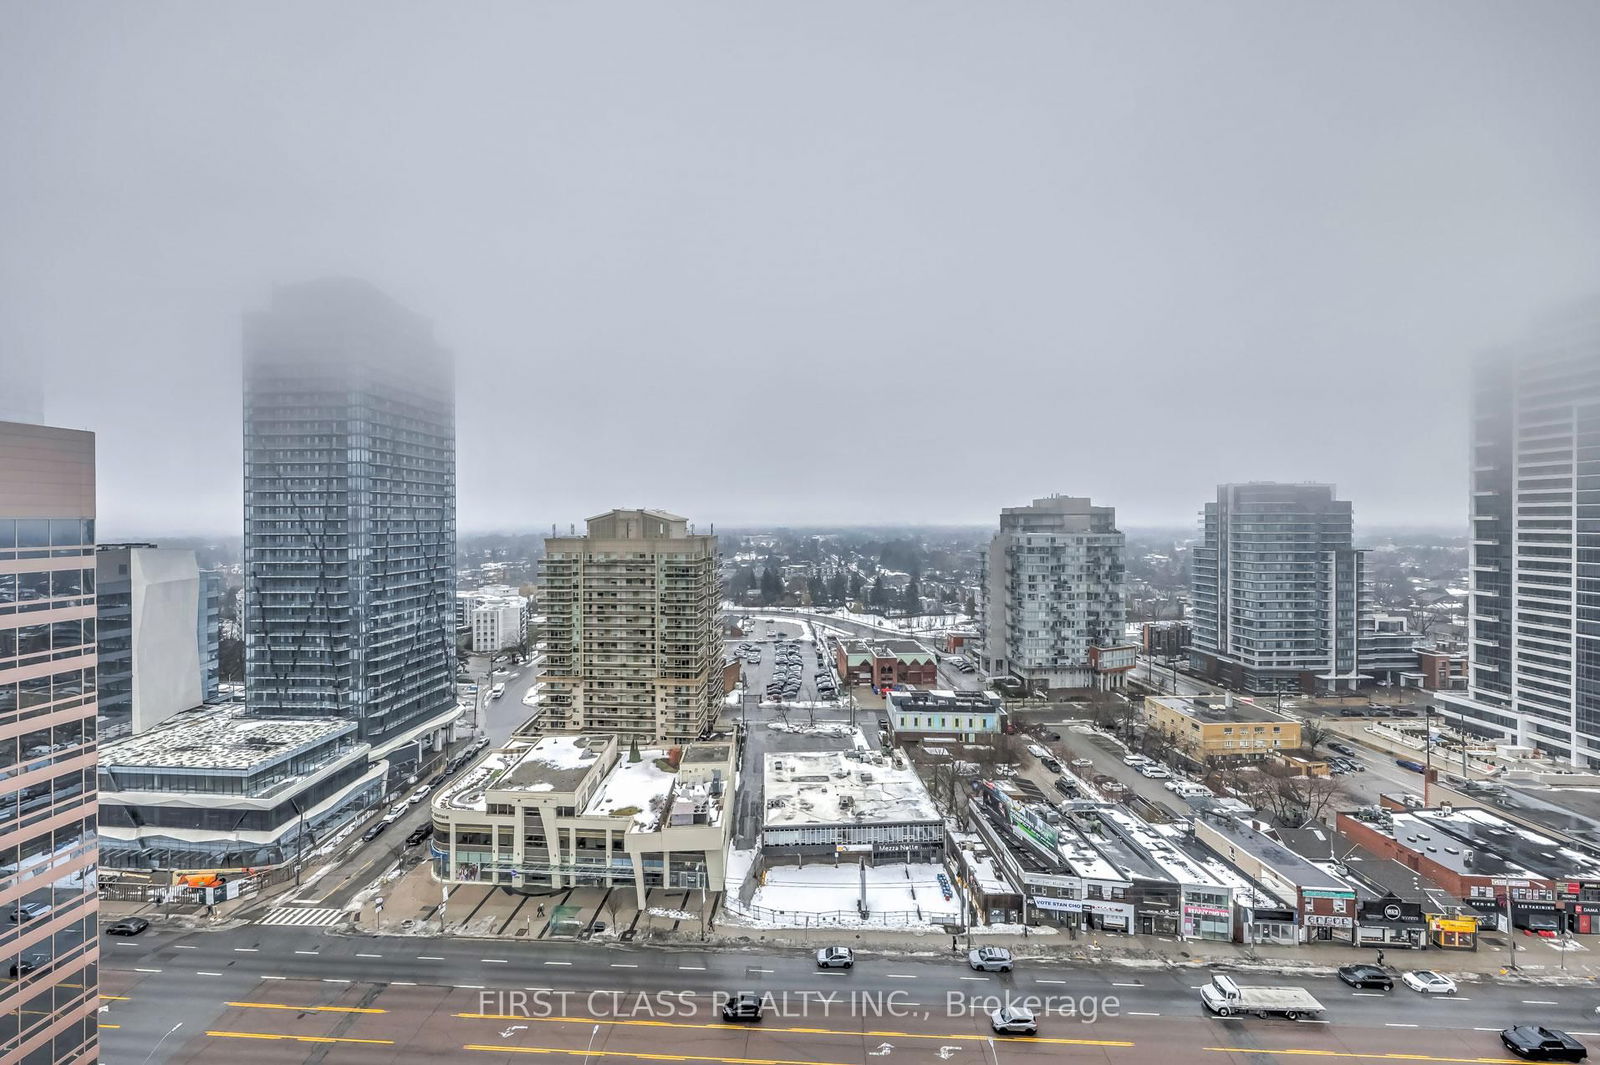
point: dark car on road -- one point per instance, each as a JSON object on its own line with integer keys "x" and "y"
{"x": 128, "y": 926}
{"x": 374, "y": 832}
{"x": 1366, "y": 976}
{"x": 1537, "y": 1043}
{"x": 418, "y": 834}
{"x": 745, "y": 1006}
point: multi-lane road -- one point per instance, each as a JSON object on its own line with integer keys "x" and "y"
{"x": 266, "y": 994}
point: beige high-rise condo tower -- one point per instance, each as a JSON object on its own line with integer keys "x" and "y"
{"x": 48, "y": 936}
{"x": 630, "y": 630}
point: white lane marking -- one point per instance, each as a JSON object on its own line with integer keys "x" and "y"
{"x": 1114, "y": 984}
{"x": 1397, "y": 1024}
{"x": 146, "y": 970}
{"x": 693, "y": 968}
{"x": 313, "y": 953}
{"x": 402, "y": 983}
{"x": 1049, "y": 981}
{"x": 1317, "y": 1020}
{"x": 1136, "y": 1013}
{"x": 207, "y": 974}
{"x": 274, "y": 978}
{"x": 624, "y": 965}
{"x": 494, "y": 961}
{"x": 558, "y": 963}
{"x": 1537, "y": 1002}
{"x": 974, "y": 978}
{"x": 369, "y": 955}
{"x": 334, "y": 980}
{"x": 898, "y": 976}
{"x": 470, "y": 987}
{"x": 429, "y": 957}
{"x": 1369, "y": 994}
{"x": 246, "y": 950}
{"x": 836, "y": 972}
{"x": 183, "y": 946}
{"x": 759, "y": 970}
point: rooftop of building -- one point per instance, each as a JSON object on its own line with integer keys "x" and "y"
{"x": 1292, "y": 867}
{"x": 554, "y": 764}
{"x": 1159, "y": 849}
{"x": 888, "y": 647}
{"x": 222, "y": 737}
{"x": 707, "y": 754}
{"x": 1380, "y": 877}
{"x": 1220, "y": 709}
{"x": 1480, "y": 842}
{"x": 944, "y": 697}
{"x": 636, "y": 791}
{"x": 830, "y": 788}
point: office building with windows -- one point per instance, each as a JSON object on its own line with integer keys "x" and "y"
{"x": 159, "y": 626}
{"x": 630, "y": 629}
{"x": 349, "y": 538}
{"x": 1533, "y": 677}
{"x": 48, "y": 873}
{"x": 1052, "y": 589}
{"x": 1278, "y": 590}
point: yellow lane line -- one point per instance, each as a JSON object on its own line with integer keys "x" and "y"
{"x": 116, "y": 998}
{"x": 111, "y": 1026}
{"x": 641, "y": 1056}
{"x": 1364, "y": 1057}
{"x": 300, "y": 1038}
{"x": 302, "y": 1009}
{"x": 876, "y": 1034}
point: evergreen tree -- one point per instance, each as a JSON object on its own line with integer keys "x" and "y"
{"x": 880, "y": 595}
{"x": 855, "y": 586}
{"x": 771, "y": 586}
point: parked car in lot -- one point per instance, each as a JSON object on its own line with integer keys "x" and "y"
{"x": 990, "y": 959}
{"x": 1428, "y": 982}
{"x": 1366, "y": 976}
{"x": 744, "y": 1006}
{"x": 1538, "y": 1043}
{"x": 1135, "y": 760}
{"x": 836, "y": 958}
{"x": 1014, "y": 1020}
{"x": 128, "y": 926}
{"x": 1155, "y": 772}
{"x": 1081, "y": 763}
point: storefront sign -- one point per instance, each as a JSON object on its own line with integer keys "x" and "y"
{"x": 1322, "y": 920}
{"x": 1103, "y": 909}
{"x": 1206, "y": 911}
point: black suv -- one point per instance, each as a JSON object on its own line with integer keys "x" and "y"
{"x": 745, "y": 1006}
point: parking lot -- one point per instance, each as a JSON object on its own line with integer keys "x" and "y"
{"x": 780, "y": 662}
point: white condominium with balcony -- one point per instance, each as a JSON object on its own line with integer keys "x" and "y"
{"x": 1534, "y": 676}
{"x": 1052, "y": 589}
{"x": 630, "y": 629}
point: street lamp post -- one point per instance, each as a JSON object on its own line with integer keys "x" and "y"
{"x": 163, "y": 1039}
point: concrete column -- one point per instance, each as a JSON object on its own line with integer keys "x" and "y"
{"x": 637, "y": 859}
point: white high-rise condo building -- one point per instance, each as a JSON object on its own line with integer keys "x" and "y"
{"x": 1276, "y": 587}
{"x": 1053, "y": 595}
{"x": 1534, "y": 674}
{"x": 630, "y": 629}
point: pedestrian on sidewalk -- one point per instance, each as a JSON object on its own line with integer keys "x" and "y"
{"x": 1380, "y": 957}
{"x": 541, "y": 909}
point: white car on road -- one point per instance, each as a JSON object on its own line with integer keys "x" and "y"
{"x": 835, "y": 958}
{"x": 1014, "y": 1020}
{"x": 990, "y": 959}
{"x": 1155, "y": 772}
{"x": 1135, "y": 760}
{"x": 1429, "y": 982}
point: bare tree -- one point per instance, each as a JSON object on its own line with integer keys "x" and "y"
{"x": 1314, "y": 732}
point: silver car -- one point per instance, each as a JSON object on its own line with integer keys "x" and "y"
{"x": 1014, "y": 1020}
{"x": 835, "y": 958}
{"x": 990, "y": 959}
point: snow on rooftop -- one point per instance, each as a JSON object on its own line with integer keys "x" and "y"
{"x": 221, "y": 738}
{"x": 635, "y": 790}
{"x": 828, "y": 788}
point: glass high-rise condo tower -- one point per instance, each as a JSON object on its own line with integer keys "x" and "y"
{"x": 350, "y": 512}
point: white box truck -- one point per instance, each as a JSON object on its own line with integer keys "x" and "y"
{"x": 1225, "y": 998}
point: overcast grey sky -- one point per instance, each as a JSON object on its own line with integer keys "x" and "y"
{"x": 809, "y": 262}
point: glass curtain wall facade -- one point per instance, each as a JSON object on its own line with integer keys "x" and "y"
{"x": 48, "y": 872}
{"x": 1534, "y": 673}
{"x": 349, "y": 540}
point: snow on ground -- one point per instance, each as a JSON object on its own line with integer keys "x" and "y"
{"x": 532, "y": 696}
{"x": 821, "y": 728}
{"x": 633, "y": 786}
{"x": 793, "y": 896}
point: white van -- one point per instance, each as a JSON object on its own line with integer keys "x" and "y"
{"x": 497, "y": 691}
{"x": 1038, "y": 751}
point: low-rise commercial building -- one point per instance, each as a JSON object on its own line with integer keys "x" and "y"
{"x": 219, "y": 789}
{"x": 498, "y": 624}
{"x": 964, "y": 716}
{"x": 883, "y": 663}
{"x": 833, "y": 804}
{"x": 1324, "y": 904}
{"x": 1220, "y": 728}
{"x": 581, "y": 810}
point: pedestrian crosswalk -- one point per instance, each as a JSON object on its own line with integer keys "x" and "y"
{"x": 301, "y": 915}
